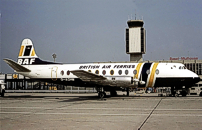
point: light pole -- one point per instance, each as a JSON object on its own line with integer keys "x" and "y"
{"x": 54, "y": 56}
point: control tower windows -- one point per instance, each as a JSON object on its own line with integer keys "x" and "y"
{"x": 127, "y": 40}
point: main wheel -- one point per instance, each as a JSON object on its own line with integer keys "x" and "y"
{"x": 200, "y": 93}
{"x": 2, "y": 94}
{"x": 184, "y": 93}
{"x": 101, "y": 94}
{"x": 176, "y": 95}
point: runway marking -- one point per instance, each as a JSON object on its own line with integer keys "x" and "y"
{"x": 96, "y": 114}
{"x": 101, "y": 109}
{"x": 150, "y": 114}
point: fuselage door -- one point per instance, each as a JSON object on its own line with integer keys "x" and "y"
{"x": 54, "y": 73}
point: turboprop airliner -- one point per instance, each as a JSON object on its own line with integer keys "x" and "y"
{"x": 104, "y": 76}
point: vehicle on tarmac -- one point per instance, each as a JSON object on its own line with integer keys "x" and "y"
{"x": 106, "y": 76}
{"x": 195, "y": 90}
{"x": 140, "y": 91}
{"x": 2, "y": 88}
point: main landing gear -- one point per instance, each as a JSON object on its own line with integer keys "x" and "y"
{"x": 176, "y": 91}
{"x": 127, "y": 91}
{"x": 101, "y": 92}
{"x": 101, "y": 95}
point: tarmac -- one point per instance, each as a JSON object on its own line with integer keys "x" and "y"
{"x": 65, "y": 111}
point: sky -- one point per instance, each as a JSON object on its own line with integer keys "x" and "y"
{"x": 94, "y": 30}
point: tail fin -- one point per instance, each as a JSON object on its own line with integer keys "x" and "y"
{"x": 27, "y": 54}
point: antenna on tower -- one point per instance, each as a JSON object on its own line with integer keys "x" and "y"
{"x": 135, "y": 14}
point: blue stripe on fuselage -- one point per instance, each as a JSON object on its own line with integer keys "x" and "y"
{"x": 145, "y": 67}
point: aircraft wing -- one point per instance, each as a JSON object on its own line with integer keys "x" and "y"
{"x": 87, "y": 76}
{"x": 17, "y": 67}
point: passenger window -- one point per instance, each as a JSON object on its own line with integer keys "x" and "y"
{"x": 68, "y": 72}
{"x": 62, "y": 72}
{"x": 157, "y": 71}
{"x": 97, "y": 71}
{"x": 120, "y": 72}
{"x": 104, "y": 72}
{"x": 112, "y": 72}
{"x": 126, "y": 72}
{"x": 135, "y": 72}
{"x": 148, "y": 71}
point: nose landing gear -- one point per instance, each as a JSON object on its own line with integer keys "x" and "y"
{"x": 179, "y": 91}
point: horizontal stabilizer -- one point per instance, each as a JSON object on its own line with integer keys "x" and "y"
{"x": 16, "y": 66}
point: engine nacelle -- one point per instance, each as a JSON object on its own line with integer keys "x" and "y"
{"x": 120, "y": 81}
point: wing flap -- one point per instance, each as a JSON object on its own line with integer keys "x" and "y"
{"x": 17, "y": 67}
{"x": 87, "y": 76}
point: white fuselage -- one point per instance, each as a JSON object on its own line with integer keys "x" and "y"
{"x": 147, "y": 72}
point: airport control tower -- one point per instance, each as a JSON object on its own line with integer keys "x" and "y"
{"x": 135, "y": 40}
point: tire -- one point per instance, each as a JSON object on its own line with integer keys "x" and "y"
{"x": 200, "y": 94}
{"x": 2, "y": 94}
{"x": 184, "y": 93}
{"x": 176, "y": 95}
{"x": 101, "y": 94}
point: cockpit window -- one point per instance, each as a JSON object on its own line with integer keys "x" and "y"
{"x": 182, "y": 67}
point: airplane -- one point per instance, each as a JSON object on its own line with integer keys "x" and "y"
{"x": 103, "y": 76}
